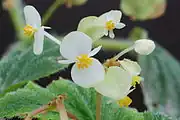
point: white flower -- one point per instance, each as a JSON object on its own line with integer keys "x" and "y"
{"x": 110, "y": 21}
{"x": 116, "y": 84}
{"x": 144, "y": 46}
{"x": 87, "y": 71}
{"x": 133, "y": 68}
{"x": 33, "y": 28}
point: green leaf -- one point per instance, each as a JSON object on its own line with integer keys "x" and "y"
{"x": 143, "y": 9}
{"x": 161, "y": 81}
{"x": 24, "y": 100}
{"x": 155, "y": 116}
{"x": 13, "y": 87}
{"x": 89, "y": 26}
{"x": 20, "y": 64}
{"x": 49, "y": 116}
{"x": 75, "y": 94}
{"x": 80, "y": 102}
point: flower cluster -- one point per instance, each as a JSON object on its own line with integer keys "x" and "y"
{"x": 115, "y": 78}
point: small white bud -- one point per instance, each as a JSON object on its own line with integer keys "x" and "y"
{"x": 144, "y": 46}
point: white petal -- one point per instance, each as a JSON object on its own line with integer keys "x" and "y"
{"x": 103, "y": 18}
{"x": 46, "y": 27}
{"x": 120, "y": 25}
{"x": 75, "y": 44}
{"x": 32, "y": 16}
{"x": 38, "y": 41}
{"x": 65, "y": 61}
{"x": 132, "y": 67}
{"x": 95, "y": 51}
{"x": 106, "y": 32}
{"x": 114, "y": 15}
{"x": 130, "y": 91}
{"x": 90, "y": 76}
{"x": 111, "y": 34}
{"x": 144, "y": 46}
{"x": 116, "y": 85}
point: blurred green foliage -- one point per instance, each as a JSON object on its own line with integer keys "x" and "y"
{"x": 143, "y": 9}
{"x": 161, "y": 82}
{"x": 138, "y": 33}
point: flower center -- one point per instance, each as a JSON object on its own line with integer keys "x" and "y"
{"x": 83, "y": 61}
{"x": 110, "y": 25}
{"x": 29, "y": 30}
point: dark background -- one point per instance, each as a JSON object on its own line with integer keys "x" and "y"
{"x": 164, "y": 30}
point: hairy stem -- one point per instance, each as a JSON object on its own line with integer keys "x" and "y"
{"x": 61, "y": 108}
{"x": 37, "y": 111}
{"x": 98, "y": 106}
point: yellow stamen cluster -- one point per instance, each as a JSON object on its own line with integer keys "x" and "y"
{"x": 83, "y": 61}
{"x": 125, "y": 102}
{"x": 110, "y": 25}
{"x": 111, "y": 62}
{"x": 29, "y": 30}
{"x": 136, "y": 80}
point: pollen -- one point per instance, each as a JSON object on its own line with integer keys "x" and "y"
{"x": 111, "y": 62}
{"x": 135, "y": 80}
{"x": 125, "y": 102}
{"x": 110, "y": 25}
{"x": 83, "y": 61}
{"x": 29, "y": 30}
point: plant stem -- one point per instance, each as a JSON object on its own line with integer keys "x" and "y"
{"x": 15, "y": 9}
{"x": 113, "y": 44}
{"x": 52, "y": 38}
{"x": 109, "y": 44}
{"x": 123, "y": 52}
{"x": 98, "y": 106}
{"x": 51, "y": 9}
{"x": 37, "y": 111}
{"x": 61, "y": 108}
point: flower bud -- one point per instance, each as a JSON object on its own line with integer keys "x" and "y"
{"x": 144, "y": 46}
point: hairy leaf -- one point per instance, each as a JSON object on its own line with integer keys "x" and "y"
{"x": 161, "y": 81}
{"x": 80, "y": 102}
{"x": 21, "y": 64}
